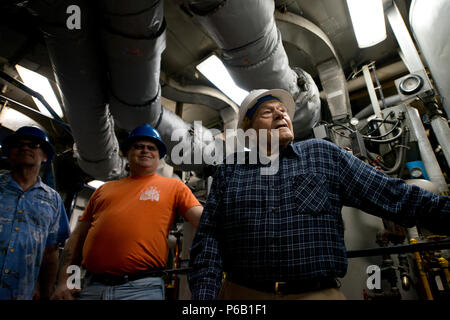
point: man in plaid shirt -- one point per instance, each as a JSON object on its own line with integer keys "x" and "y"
{"x": 281, "y": 235}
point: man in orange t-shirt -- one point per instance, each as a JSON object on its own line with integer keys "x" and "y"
{"x": 121, "y": 238}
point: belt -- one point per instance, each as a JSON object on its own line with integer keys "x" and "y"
{"x": 115, "y": 280}
{"x": 287, "y": 287}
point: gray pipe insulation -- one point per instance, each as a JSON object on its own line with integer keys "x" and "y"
{"x": 253, "y": 52}
{"x": 368, "y": 111}
{"x": 80, "y": 76}
{"x": 134, "y": 34}
{"x": 134, "y": 39}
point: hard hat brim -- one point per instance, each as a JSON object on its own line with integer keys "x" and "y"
{"x": 126, "y": 145}
{"x": 48, "y": 149}
{"x": 284, "y": 96}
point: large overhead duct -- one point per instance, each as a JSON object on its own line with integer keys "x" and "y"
{"x": 253, "y": 52}
{"x": 132, "y": 35}
{"x": 80, "y": 75}
{"x": 308, "y": 37}
{"x": 134, "y": 39}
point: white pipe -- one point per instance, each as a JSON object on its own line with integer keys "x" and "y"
{"x": 426, "y": 151}
{"x": 442, "y": 132}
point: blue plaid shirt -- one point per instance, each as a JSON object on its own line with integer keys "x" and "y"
{"x": 29, "y": 221}
{"x": 288, "y": 226}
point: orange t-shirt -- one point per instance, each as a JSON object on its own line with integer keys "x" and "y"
{"x": 130, "y": 221}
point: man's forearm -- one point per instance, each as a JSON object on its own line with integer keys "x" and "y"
{"x": 70, "y": 256}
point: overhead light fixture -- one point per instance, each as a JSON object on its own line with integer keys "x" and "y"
{"x": 368, "y": 21}
{"x": 13, "y": 119}
{"x": 40, "y": 84}
{"x": 214, "y": 70}
{"x": 95, "y": 183}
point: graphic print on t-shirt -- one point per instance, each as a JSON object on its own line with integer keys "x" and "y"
{"x": 151, "y": 193}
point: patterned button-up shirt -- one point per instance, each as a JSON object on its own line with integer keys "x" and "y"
{"x": 288, "y": 226}
{"x": 29, "y": 221}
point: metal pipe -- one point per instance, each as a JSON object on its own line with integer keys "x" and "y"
{"x": 423, "y": 275}
{"x": 2, "y": 97}
{"x": 38, "y": 96}
{"x": 442, "y": 133}
{"x": 385, "y": 73}
{"x": 405, "y": 248}
{"x": 368, "y": 111}
{"x": 411, "y": 56}
{"x": 426, "y": 151}
{"x": 444, "y": 265}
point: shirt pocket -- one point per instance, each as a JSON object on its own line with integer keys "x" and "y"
{"x": 311, "y": 194}
{"x": 41, "y": 215}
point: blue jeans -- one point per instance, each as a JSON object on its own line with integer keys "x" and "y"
{"x": 141, "y": 289}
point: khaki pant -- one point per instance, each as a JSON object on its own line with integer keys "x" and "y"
{"x": 233, "y": 291}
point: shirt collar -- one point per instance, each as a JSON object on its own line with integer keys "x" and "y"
{"x": 40, "y": 184}
{"x": 290, "y": 150}
{"x": 8, "y": 179}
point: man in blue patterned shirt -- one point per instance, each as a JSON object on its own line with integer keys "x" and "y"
{"x": 32, "y": 218}
{"x": 281, "y": 236}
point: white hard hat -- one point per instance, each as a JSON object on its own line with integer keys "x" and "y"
{"x": 253, "y": 97}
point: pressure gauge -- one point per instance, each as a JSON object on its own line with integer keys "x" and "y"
{"x": 411, "y": 84}
{"x": 416, "y": 172}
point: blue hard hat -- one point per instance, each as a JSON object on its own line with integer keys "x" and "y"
{"x": 145, "y": 131}
{"x": 32, "y": 133}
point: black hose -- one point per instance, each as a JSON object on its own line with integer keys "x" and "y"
{"x": 387, "y": 140}
{"x": 384, "y": 135}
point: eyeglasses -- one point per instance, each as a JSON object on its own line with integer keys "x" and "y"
{"x": 140, "y": 147}
{"x": 20, "y": 144}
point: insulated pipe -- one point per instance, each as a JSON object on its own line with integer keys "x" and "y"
{"x": 82, "y": 81}
{"x": 79, "y": 73}
{"x": 250, "y": 42}
{"x": 426, "y": 151}
{"x": 204, "y": 95}
{"x": 368, "y": 111}
{"x": 309, "y": 38}
{"x": 189, "y": 147}
{"x": 385, "y": 73}
{"x": 134, "y": 39}
{"x": 253, "y": 52}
